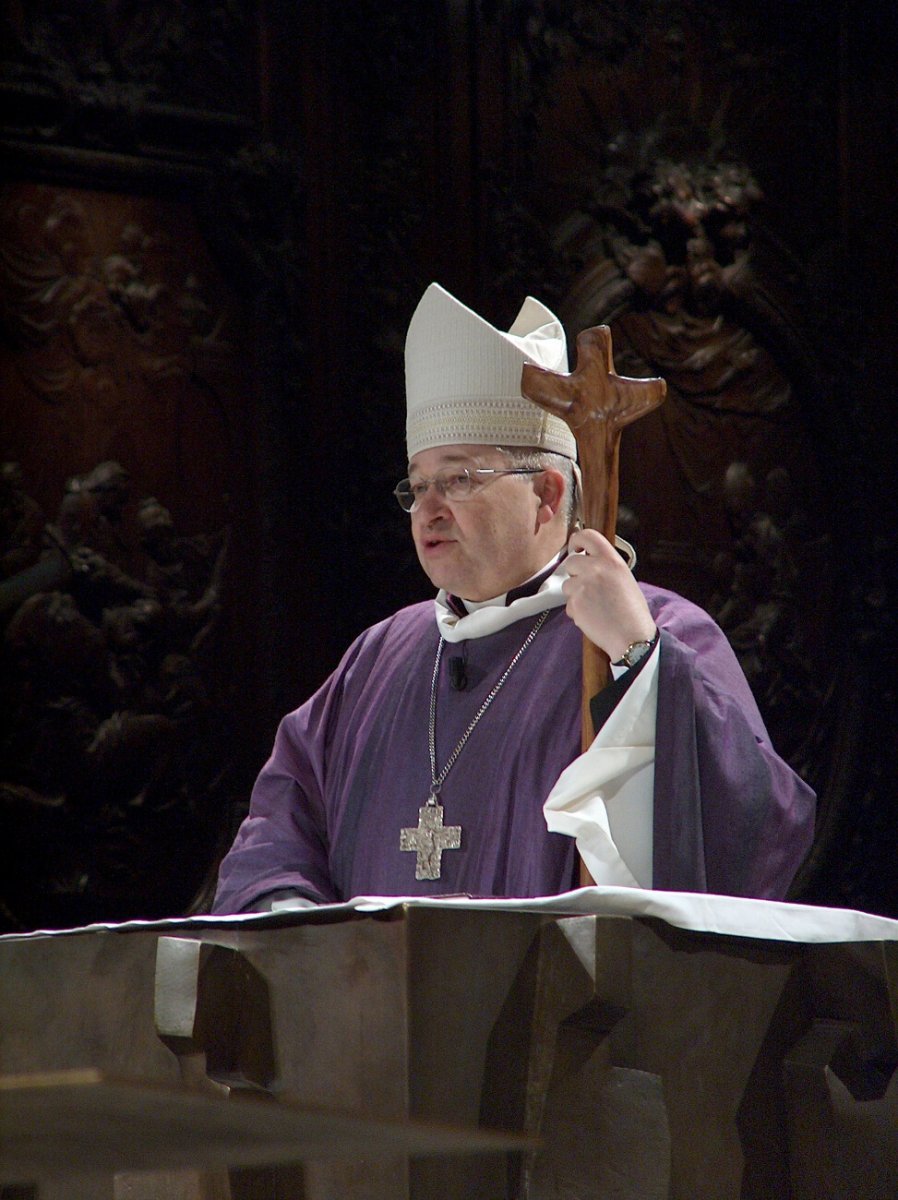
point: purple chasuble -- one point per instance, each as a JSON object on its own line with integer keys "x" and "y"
{"x": 350, "y": 769}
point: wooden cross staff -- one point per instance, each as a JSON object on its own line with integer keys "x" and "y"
{"x": 597, "y": 405}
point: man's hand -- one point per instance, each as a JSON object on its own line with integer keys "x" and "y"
{"x": 603, "y": 599}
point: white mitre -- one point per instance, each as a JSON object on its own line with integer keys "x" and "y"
{"x": 463, "y": 377}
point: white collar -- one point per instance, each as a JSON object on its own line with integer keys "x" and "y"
{"x": 474, "y": 605}
{"x": 489, "y": 616}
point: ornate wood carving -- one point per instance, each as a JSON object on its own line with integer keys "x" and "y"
{"x": 114, "y": 751}
{"x": 118, "y": 344}
{"x": 106, "y": 77}
{"x": 629, "y": 185}
{"x": 741, "y": 520}
{"x": 127, "y": 312}
{"x": 467, "y": 139}
{"x": 119, "y": 367}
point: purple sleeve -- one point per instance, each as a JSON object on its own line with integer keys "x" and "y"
{"x": 282, "y": 843}
{"x": 731, "y": 817}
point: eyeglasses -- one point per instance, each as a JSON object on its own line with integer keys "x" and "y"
{"x": 456, "y": 483}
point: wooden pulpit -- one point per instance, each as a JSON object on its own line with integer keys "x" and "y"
{"x": 343, "y": 1053}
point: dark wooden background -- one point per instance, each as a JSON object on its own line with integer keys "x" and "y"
{"x": 216, "y": 219}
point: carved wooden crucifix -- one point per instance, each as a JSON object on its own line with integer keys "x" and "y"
{"x": 597, "y": 404}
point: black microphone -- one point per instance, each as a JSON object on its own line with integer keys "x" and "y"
{"x": 458, "y": 678}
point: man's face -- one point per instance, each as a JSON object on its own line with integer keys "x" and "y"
{"x": 489, "y": 543}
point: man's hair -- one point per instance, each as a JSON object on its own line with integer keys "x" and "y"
{"x": 547, "y": 460}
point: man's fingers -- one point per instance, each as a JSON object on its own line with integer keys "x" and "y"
{"x": 588, "y": 540}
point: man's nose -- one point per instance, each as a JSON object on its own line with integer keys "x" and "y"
{"x": 432, "y": 502}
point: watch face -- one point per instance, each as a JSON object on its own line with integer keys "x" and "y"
{"x": 637, "y": 653}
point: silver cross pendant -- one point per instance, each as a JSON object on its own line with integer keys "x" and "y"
{"x": 430, "y": 839}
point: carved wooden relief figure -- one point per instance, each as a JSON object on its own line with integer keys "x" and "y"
{"x": 118, "y": 372}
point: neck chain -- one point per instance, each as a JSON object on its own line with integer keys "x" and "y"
{"x": 431, "y": 837}
{"x": 437, "y": 781}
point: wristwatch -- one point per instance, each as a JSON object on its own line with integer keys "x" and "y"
{"x": 635, "y": 652}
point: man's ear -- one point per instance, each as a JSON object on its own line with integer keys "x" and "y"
{"x": 550, "y": 487}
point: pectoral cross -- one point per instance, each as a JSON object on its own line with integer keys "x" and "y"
{"x": 429, "y": 840}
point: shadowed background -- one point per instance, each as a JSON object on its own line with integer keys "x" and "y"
{"x": 215, "y": 222}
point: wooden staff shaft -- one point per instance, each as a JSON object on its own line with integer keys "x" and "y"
{"x": 599, "y": 511}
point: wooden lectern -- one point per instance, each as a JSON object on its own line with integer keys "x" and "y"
{"x": 651, "y": 1061}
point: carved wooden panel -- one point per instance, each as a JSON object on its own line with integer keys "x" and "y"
{"x": 674, "y": 169}
{"x": 125, "y": 539}
{"x": 119, "y": 344}
{"x": 724, "y": 489}
{"x": 608, "y": 157}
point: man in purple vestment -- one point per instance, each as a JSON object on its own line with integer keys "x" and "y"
{"x": 443, "y": 757}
